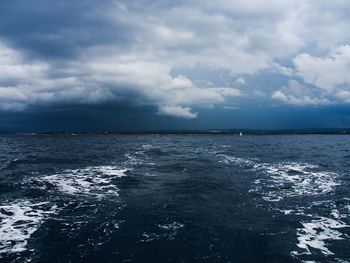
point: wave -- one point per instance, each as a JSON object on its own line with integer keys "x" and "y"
{"x": 286, "y": 179}
{"x": 19, "y": 220}
{"x": 139, "y": 157}
{"x": 166, "y": 231}
{"x": 241, "y": 162}
{"x": 292, "y": 180}
{"x": 94, "y": 181}
{"x": 315, "y": 233}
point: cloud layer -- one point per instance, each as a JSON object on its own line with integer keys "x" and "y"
{"x": 326, "y": 80}
{"x": 146, "y": 53}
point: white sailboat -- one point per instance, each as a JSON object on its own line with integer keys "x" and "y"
{"x": 240, "y": 134}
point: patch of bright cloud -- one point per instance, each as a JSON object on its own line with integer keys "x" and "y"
{"x": 177, "y": 111}
{"x": 116, "y": 52}
{"x": 325, "y": 72}
{"x": 326, "y": 79}
{"x": 240, "y": 80}
{"x": 298, "y": 94}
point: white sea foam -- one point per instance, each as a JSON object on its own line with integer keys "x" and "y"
{"x": 171, "y": 229}
{"x": 148, "y": 237}
{"x": 302, "y": 179}
{"x": 278, "y": 181}
{"x": 315, "y": 234}
{"x": 173, "y": 226}
{"x": 133, "y": 159}
{"x": 242, "y": 162}
{"x": 295, "y": 179}
{"x": 286, "y": 179}
{"x": 167, "y": 231}
{"x": 112, "y": 170}
{"x": 19, "y": 220}
{"x": 147, "y": 146}
{"x": 94, "y": 180}
{"x": 139, "y": 157}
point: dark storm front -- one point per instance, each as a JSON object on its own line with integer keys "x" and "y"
{"x": 175, "y": 198}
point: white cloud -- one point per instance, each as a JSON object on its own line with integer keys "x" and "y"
{"x": 177, "y": 111}
{"x": 298, "y": 94}
{"x": 14, "y": 69}
{"x": 102, "y": 78}
{"x": 327, "y": 79}
{"x": 235, "y": 37}
{"x": 325, "y": 72}
{"x": 240, "y": 80}
{"x": 343, "y": 95}
{"x": 301, "y": 101}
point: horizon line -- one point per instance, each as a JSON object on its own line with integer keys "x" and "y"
{"x": 184, "y": 131}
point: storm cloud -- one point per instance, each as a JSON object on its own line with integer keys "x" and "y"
{"x": 180, "y": 57}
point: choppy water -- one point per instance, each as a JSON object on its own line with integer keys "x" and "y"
{"x": 175, "y": 198}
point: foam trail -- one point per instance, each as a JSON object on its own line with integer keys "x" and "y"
{"x": 283, "y": 180}
{"x": 19, "y": 220}
{"x": 242, "y": 162}
{"x": 315, "y": 233}
{"x": 286, "y": 179}
{"x": 94, "y": 180}
{"x": 167, "y": 231}
{"x": 298, "y": 179}
{"x": 112, "y": 171}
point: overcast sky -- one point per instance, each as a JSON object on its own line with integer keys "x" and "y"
{"x": 194, "y": 64}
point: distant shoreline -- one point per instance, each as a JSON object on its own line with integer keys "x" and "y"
{"x": 192, "y": 132}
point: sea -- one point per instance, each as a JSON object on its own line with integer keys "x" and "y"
{"x": 175, "y": 198}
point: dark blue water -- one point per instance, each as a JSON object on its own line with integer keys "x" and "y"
{"x": 175, "y": 198}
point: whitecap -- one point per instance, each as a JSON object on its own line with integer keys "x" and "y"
{"x": 166, "y": 231}
{"x": 147, "y": 146}
{"x": 315, "y": 233}
{"x": 173, "y": 226}
{"x": 282, "y": 180}
{"x": 112, "y": 171}
{"x": 19, "y": 220}
{"x": 292, "y": 179}
{"x": 148, "y": 237}
{"x": 93, "y": 180}
{"x": 171, "y": 229}
{"x": 227, "y": 159}
{"x": 139, "y": 157}
{"x": 285, "y": 179}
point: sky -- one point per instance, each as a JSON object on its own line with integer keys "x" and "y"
{"x": 167, "y": 64}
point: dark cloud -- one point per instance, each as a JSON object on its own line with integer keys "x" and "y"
{"x": 60, "y": 29}
{"x": 161, "y": 58}
{"x": 112, "y": 117}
